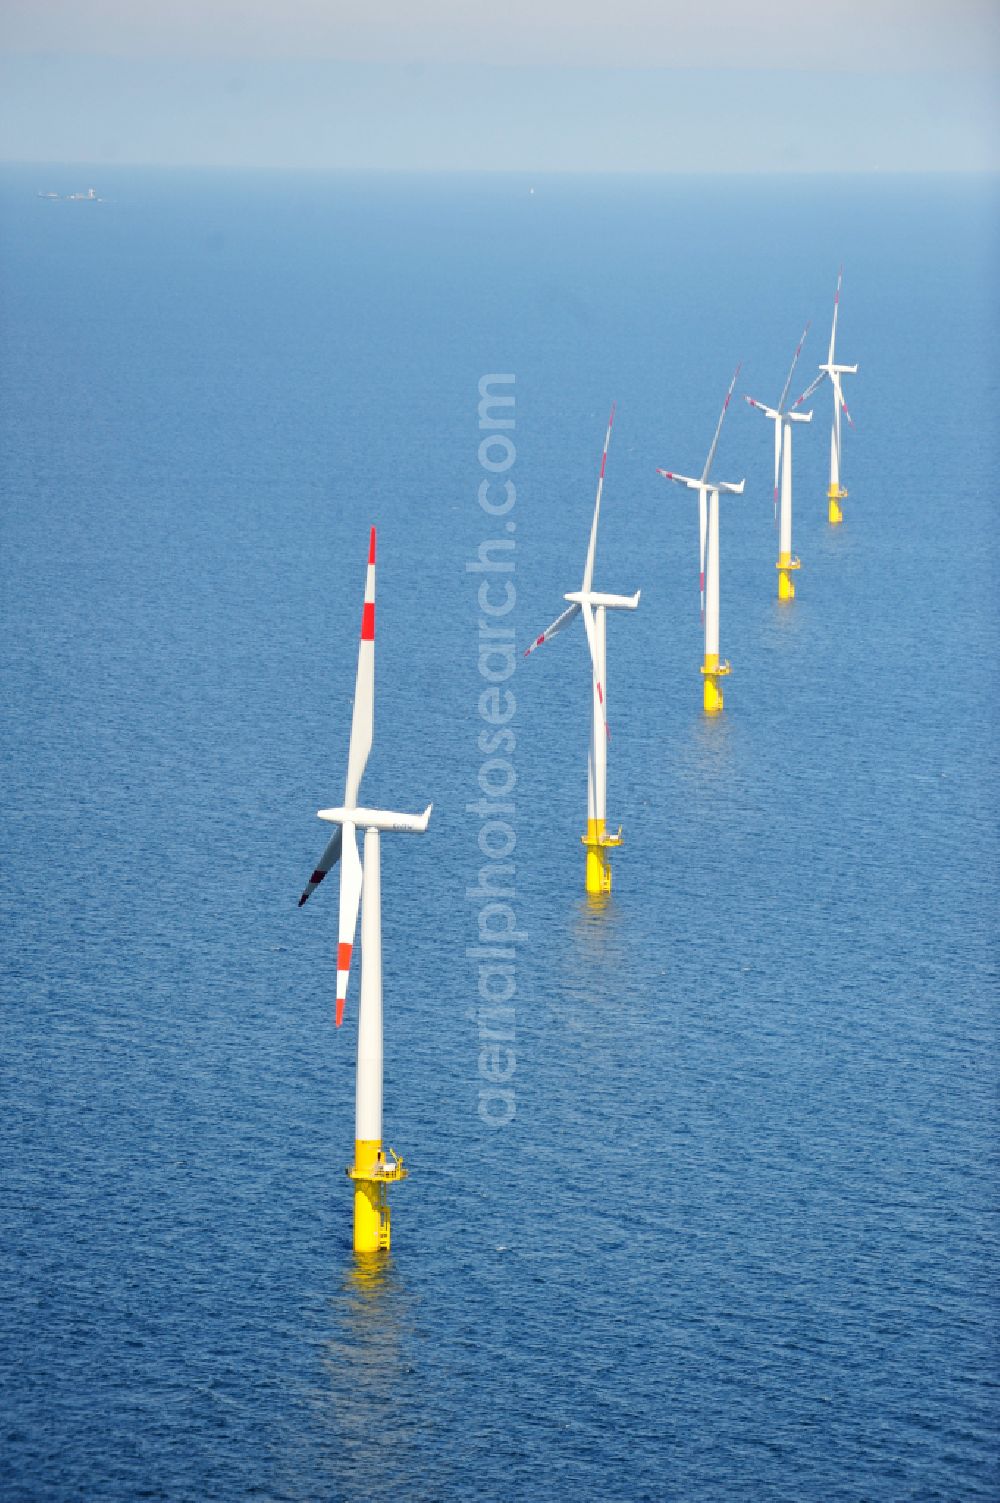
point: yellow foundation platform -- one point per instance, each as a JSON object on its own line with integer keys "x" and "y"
{"x": 786, "y": 585}
{"x": 373, "y": 1169}
{"x": 599, "y": 843}
{"x": 835, "y": 495}
{"x": 712, "y": 670}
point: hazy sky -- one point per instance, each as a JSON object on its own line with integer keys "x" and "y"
{"x": 526, "y": 84}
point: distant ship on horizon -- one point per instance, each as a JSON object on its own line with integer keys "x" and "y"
{"x": 90, "y": 197}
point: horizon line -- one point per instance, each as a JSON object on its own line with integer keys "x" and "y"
{"x": 537, "y": 172}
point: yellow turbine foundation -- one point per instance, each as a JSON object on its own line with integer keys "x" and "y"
{"x": 599, "y": 843}
{"x": 371, "y": 1172}
{"x": 835, "y": 495}
{"x": 712, "y": 670}
{"x": 786, "y": 585}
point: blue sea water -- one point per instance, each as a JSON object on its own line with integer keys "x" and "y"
{"x": 739, "y": 1241}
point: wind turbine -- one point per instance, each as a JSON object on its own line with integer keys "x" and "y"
{"x": 833, "y": 372}
{"x": 372, "y": 1169}
{"x": 708, "y": 518}
{"x": 592, "y": 606}
{"x": 783, "y": 421}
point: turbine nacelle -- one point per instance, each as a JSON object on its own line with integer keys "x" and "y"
{"x": 703, "y": 485}
{"x": 776, "y": 416}
{"x": 771, "y": 412}
{"x": 610, "y": 602}
{"x": 378, "y": 819}
{"x": 692, "y": 485}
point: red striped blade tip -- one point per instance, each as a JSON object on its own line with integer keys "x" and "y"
{"x": 371, "y": 547}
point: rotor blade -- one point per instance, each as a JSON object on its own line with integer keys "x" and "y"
{"x": 329, "y": 858}
{"x": 844, "y": 405}
{"x": 588, "y": 572}
{"x": 836, "y": 309}
{"x": 703, "y": 528}
{"x": 777, "y": 464}
{"x": 362, "y": 722}
{"x": 591, "y": 629}
{"x": 791, "y": 369}
{"x": 775, "y": 417}
{"x": 350, "y": 901}
{"x": 718, "y": 430}
{"x": 551, "y": 631}
{"x": 809, "y": 390}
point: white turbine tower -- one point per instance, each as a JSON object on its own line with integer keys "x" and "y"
{"x": 783, "y": 420}
{"x": 832, "y": 372}
{"x": 708, "y": 518}
{"x": 592, "y": 606}
{"x": 372, "y": 1169}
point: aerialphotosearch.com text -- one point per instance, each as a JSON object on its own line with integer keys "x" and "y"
{"x": 494, "y": 913}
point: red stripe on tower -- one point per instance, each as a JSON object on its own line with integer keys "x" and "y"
{"x": 368, "y": 622}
